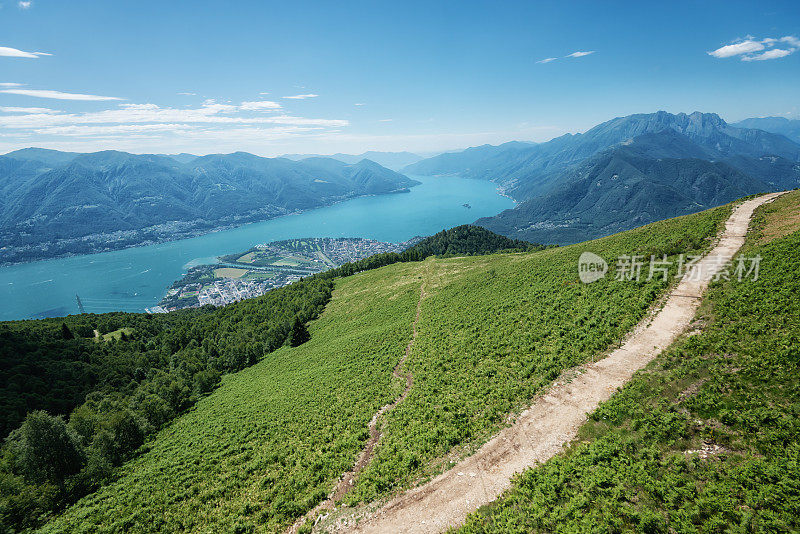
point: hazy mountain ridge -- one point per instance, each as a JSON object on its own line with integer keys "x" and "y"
{"x": 716, "y": 161}
{"x": 779, "y": 125}
{"x": 146, "y": 197}
{"x": 390, "y": 160}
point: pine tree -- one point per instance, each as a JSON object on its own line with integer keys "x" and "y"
{"x": 66, "y": 333}
{"x": 298, "y": 334}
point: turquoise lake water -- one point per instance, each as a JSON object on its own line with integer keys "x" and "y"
{"x": 136, "y": 278}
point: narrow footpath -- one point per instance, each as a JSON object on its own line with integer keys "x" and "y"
{"x": 554, "y": 418}
{"x": 347, "y": 480}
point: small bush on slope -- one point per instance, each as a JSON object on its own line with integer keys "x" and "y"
{"x": 707, "y": 439}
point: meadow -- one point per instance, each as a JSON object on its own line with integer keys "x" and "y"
{"x": 271, "y": 442}
{"x": 495, "y": 330}
{"x": 707, "y": 438}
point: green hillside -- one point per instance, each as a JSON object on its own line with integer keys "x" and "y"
{"x": 707, "y": 438}
{"x": 271, "y": 442}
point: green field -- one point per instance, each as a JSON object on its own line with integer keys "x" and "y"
{"x": 271, "y": 442}
{"x": 707, "y": 438}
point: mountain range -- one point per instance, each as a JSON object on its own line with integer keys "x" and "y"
{"x": 780, "y": 125}
{"x": 57, "y": 202}
{"x": 623, "y": 173}
{"x": 390, "y": 160}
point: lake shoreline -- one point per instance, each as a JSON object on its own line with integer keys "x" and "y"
{"x": 133, "y": 278}
{"x": 199, "y": 232}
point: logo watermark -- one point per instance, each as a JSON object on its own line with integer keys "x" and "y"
{"x": 592, "y": 268}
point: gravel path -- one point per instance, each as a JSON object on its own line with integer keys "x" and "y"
{"x": 542, "y": 430}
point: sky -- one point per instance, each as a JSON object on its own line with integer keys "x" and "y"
{"x": 324, "y": 77}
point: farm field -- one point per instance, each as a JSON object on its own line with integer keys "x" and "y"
{"x": 707, "y": 438}
{"x": 230, "y": 272}
{"x": 270, "y": 443}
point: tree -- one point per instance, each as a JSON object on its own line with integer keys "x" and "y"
{"x": 298, "y": 334}
{"x": 66, "y": 333}
{"x": 47, "y": 450}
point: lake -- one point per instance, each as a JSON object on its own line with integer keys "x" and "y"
{"x": 137, "y": 278}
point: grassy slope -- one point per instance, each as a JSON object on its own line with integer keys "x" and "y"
{"x": 274, "y": 436}
{"x": 496, "y": 329}
{"x": 707, "y": 438}
{"x": 270, "y": 443}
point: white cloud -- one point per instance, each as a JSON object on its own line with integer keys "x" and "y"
{"x": 791, "y": 40}
{"x": 775, "y": 53}
{"x": 743, "y": 47}
{"x": 212, "y": 126}
{"x": 547, "y": 60}
{"x": 23, "y": 4}
{"x": 211, "y": 113}
{"x": 259, "y": 105}
{"x": 57, "y": 95}
{"x": 580, "y": 53}
{"x": 359, "y": 104}
{"x": 263, "y": 94}
{"x": 78, "y": 131}
{"x": 751, "y": 49}
{"x": 7, "y": 51}
{"x": 27, "y": 110}
{"x": 301, "y": 97}
{"x": 188, "y": 94}
{"x": 10, "y": 84}
{"x": 385, "y": 120}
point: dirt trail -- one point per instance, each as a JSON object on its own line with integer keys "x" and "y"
{"x": 348, "y": 479}
{"x": 553, "y": 420}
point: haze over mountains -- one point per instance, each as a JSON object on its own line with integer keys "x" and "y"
{"x": 780, "y": 125}
{"x": 390, "y": 160}
{"x": 56, "y": 202}
{"x": 623, "y": 173}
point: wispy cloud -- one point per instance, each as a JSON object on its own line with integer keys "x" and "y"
{"x": 136, "y": 127}
{"x": 359, "y": 104}
{"x": 188, "y": 94}
{"x": 579, "y": 53}
{"x": 775, "y": 53}
{"x": 7, "y": 51}
{"x": 301, "y": 97}
{"x": 259, "y": 105}
{"x": 10, "y": 84}
{"x": 752, "y": 49}
{"x": 57, "y": 95}
{"x": 210, "y": 113}
{"x": 27, "y": 110}
{"x": 24, "y": 4}
{"x": 385, "y": 120}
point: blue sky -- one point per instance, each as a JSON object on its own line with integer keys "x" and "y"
{"x": 207, "y": 76}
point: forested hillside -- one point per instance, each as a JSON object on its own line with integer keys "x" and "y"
{"x": 55, "y": 202}
{"x": 707, "y": 439}
{"x": 271, "y": 442}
